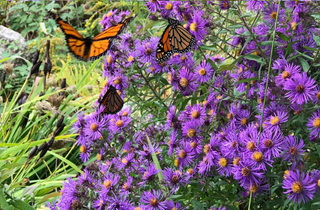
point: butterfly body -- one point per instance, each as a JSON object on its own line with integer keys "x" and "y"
{"x": 112, "y": 101}
{"x": 175, "y": 39}
{"x": 89, "y": 48}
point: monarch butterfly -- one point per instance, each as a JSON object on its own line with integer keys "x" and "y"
{"x": 112, "y": 101}
{"x": 86, "y": 48}
{"x": 175, "y": 39}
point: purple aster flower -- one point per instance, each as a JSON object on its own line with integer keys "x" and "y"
{"x": 270, "y": 14}
{"x": 191, "y": 130}
{"x": 205, "y": 72}
{"x": 292, "y": 149}
{"x": 185, "y": 154}
{"x": 127, "y": 186}
{"x": 300, "y": 44}
{"x": 314, "y": 124}
{"x": 224, "y": 5}
{"x": 206, "y": 164}
{"x": 102, "y": 202}
{"x": 121, "y": 203}
{"x": 260, "y": 160}
{"x": 85, "y": 153}
{"x": 224, "y": 166}
{"x": 94, "y": 127}
{"x": 153, "y": 5}
{"x": 197, "y": 114}
{"x": 173, "y": 142}
{"x": 118, "y": 123}
{"x": 69, "y": 192}
{"x": 160, "y": 68}
{"x": 170, "y": 205}
{"x": 185, "y": 60}
{"x": 270, "y": 143}
{"x": 146, "y": 51}
{"x": 260, "y": 188}
{"x": 52, "y": 206}
{"x": 280, "y": 63}
{"x": 301, "y": 88}
{"x": 289, "y": 71}
{"x": 109, "y": 182}
{"x": 261, "y": 29}
{"x": 197, "y": 25}
{"x": 276, "y": 120}
{"x": 108, "y": 20}
{"x": 256, "y": 5}
{"x": 174, "y": 179}
{"x": 299, "y": 186}
{"x": 119, "y": 81}
{"x": 242, "y": 118}
{"x": 231, "y": 146}
{"x": 149, "y": 174}
{"x": 168, "y": 8}
{"x": 246, "y": 174}
{"x": 196, "y": 146}
{"x": 316, "y": 179}
{"x": 80, "y": 123}
{"x": 152, "y": 200}
{"x": 185, "y": 82}
{"x": 172, "y": 119}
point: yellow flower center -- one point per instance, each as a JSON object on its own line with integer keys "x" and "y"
{"x": 257, "y": 156}
{"x": 318, "y": 95}
{"x": 176, "y": 162}
{"x": 206, "y": 148}
{"x": 193, "y": 144}
{"x": 316, "y": 122}
{"x": 183, "y": 58}
{"x": 154, "y": 202}
{"x": 130, "y": 58}
{"x": 297, "y": 187}
{"x": 286, "y": 174}
{"x": 202, "y": 71}
{"x": 109, "y": 59}
{"x": 83, "y": 149}
{"x": 251, "y": 146}
{"x": 293, "y": 25}
{"x": 300, "y": 88}
{"x": 124, "y": 113}
{"x": 254, "y": 188}
{"x": 245, "y": 171}
{"x": 182, "y": 154}
{"x": 285, "y": 75}
{"x": 184, "y": 82}
{"x": 125, "y": 186}
{"x": 318, "y": 182}
{"x": 169, "y": 6}
{"x": 191, "y": 132}
{"x": 273, "y": 15}
{"x": 223, "y": 162}
{"x": 107, "y": 183}
{"x": 243, "y": 121}
{"x": 94, "y": 126}
{"x": 137, "y": 208}
{"x": 119, "y": 123}
{"x": 117, "y": 81}
{"x": 195, "y": 114}
{"x": 190, "y": 171}
{"x": 98, "y": 157}
{"x": 236, "y": 161}
{"x": 194, "y": 26}
{"x": 274, "y": 120}
{"x": 124, "y": 161}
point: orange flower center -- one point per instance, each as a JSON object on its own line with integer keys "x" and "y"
{"x": 300, "y": 88}
{"x": 107, "y": 183}
{"x": 251, "y": 146}
{"x": 184, "y": 82}
{"x": 273, "y": 15}
{"x": 285, "y": 75}
{"x": 202, "y": 71}
{"x": 297, "y": 187}
{"x": 257, "y": 156}
{"x": 316, "y": 122}
{"x": 182, "y": 154}
{"x": 195, "y": 114}
{"x": 223, "y": 162}
{"x": 119, "y": 123}
{"x": 169, "y": 6}
{"x": 94, "y": 126}
{"x": 245, "y": 171}
{"x": 268, "y": 143}
{"x": 83, "y": 149}
{"x": 191, "y": 132}
{"x": 154, "y": 202}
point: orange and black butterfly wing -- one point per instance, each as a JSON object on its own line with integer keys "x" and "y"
{"x": 181, "y": 39}
{"x": 75, "y": 41}
{"x": 175, "y": 39}
{"x": 102, "y": 42}
{"x": 164, "y": 50}
{"x": 112, "y": 101}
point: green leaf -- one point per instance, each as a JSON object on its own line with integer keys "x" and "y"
{"x": 71, "y": 164}
{"x": 19, "y": 204}
{"x": 304, "y": 64}
{"x": 283, "y": 37}
{"x": 254, "y": 58}
{"x": 197, "y": 205}
{"x": 316, "y": 39}
{"x": 207, "y": 47}
{"x": 3, "y": 201}
{"x": 213, "y": 65}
